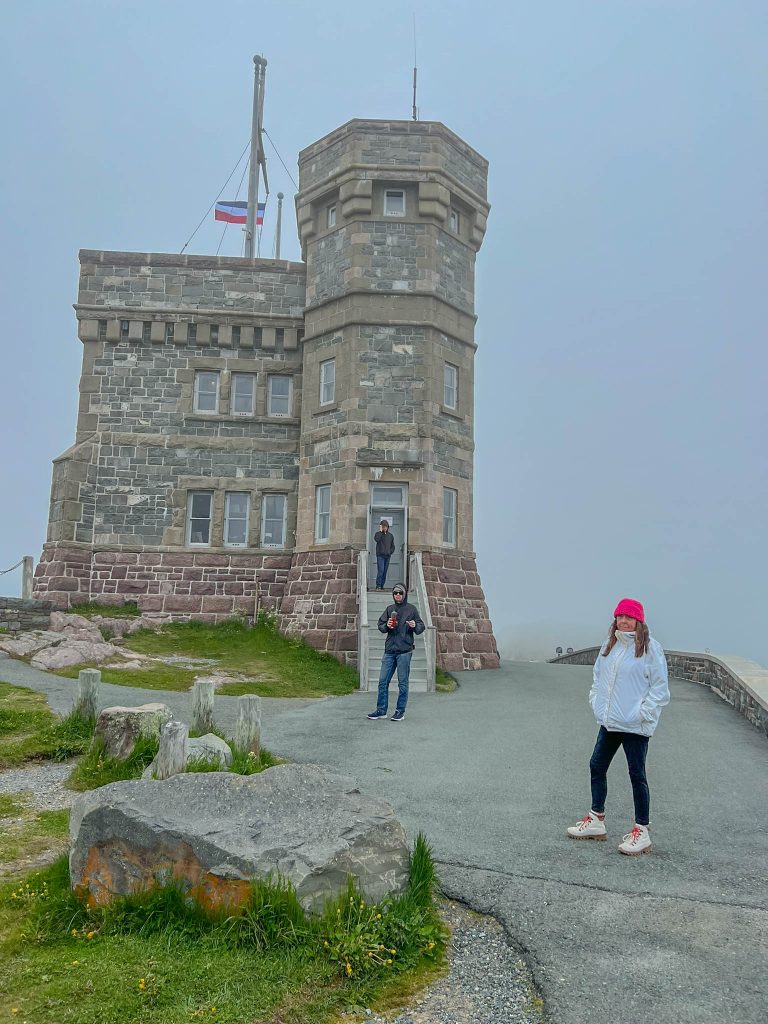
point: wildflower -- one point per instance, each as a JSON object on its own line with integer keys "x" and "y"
{"x": 74, "y": 963}
{"x": 430, "y": 945}
{"x": 387, "y": 961}
{"x": 14, "y": 1009}
{"x": 74, "y": 932}
{"x": 362, "y": 904}
{"x": 393, "y": 951}
{"x": 90, "y": 935}
{"x": 378, "y": 917}
{"x": 326, "y": 944}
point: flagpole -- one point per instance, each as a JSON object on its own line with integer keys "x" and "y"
{"x": 280, "y": 198}
{"x": 259, "y": 75}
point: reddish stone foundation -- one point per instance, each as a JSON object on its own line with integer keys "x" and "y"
{"x": 320, "y": 602}
{"x": 464, "y": 631}
{"x": 192, "y": 584}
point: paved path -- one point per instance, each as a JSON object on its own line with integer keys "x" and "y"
{"x": 495, "y": 772}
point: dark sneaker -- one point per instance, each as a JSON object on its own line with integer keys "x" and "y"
{"x": 398, "y": 716}
{"x": 377, "y": 714}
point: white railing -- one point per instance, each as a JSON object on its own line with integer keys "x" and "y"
{"x": 362, "y": 619}
{"x": 417, "y": 588}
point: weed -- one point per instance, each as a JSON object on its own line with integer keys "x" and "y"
{"x": 204, "y": 764}
{"x": 248, "y": 763}
{"x": 96, "y": 769}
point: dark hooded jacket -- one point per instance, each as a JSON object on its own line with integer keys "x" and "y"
{"x": 385, "y": 544}
{"x": 400, "y": 639}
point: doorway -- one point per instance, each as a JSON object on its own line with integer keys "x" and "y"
{"x": 388, "y": 501}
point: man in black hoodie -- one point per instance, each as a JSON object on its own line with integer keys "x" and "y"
{"x": 401, "y": 622}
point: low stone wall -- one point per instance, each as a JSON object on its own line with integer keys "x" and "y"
{"x": 463, "y": 627}
{"x": 184, "y": 584}
{"x": 320, "y": 602}
{"x": 18, "y": 615}
{"x": 741, "y": 683}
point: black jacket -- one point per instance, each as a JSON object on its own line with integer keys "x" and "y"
{"x": 385, "y": 544}
{"x": 400, "y": 639}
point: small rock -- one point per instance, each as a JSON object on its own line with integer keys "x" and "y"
{"x": 29, "y": 643}
{"x": 120, "y": 727}
{"x": 73, "y": 652}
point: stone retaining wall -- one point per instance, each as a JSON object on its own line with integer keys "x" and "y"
{"x": 699, "y": 668}
{"x": 320, "y": 602}
{"x": 463, "y": 627}
{"x": 185, "y": 584}
{"x": 18, "y": 615}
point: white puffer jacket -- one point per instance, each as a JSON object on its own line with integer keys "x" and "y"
{"x": 628, "y": 693}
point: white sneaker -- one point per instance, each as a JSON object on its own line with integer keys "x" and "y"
{"x": 590, "y": 827}
{"x": 637, "y": 841}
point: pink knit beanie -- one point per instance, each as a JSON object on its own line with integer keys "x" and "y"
{"x": 627, "y": 606}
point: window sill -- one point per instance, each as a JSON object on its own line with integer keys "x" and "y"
{"x": 331, "y": 407}
{"x": 445, "y": 411}
{"x": 223, "y": 418}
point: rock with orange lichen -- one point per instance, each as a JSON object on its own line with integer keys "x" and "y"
{"x": 213, "y": 833}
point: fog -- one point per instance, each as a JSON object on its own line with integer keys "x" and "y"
{"x": 621, "y": 368}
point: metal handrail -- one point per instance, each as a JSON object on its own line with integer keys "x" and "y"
{"x": 419, "y": 585}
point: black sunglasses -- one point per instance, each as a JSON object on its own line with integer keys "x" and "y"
{"x": 398, "y": 593}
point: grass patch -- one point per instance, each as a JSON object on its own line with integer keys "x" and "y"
{"x": 29, "y": 731}
{"x": 112, "y": 611}
{"x": 445, "y": 682}
{"x": 35, "y": 834}
{"x": 153, "y": 677}
{"x": 12, "y": 804}
{"x": 95, "y": 769}
{"x": 156, "y": 957}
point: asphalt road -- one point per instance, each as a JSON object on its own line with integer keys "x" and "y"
{"x": 494, "y": 773}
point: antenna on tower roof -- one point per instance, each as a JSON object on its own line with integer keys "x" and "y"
{"x": 415, "y": 70}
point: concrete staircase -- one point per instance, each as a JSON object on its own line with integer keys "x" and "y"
{"x": 377, "y": 602}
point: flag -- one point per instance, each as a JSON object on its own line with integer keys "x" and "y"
{"x": 237, "y": 212}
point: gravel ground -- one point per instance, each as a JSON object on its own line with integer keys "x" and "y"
{"x": 44, "y": 782}
{"x": 487, "y": 982}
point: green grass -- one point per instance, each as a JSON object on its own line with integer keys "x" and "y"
{"x": 155, "y": 677}
{"x": 12, "y": 804}
{"x": 445, "y": 682}
{"x": 95, "y": 769}
{"x": 36, "y": 833}
{"x": 113, "y": 611}
{"x": 29, "y": 731}
{"x": 155, "y": 957}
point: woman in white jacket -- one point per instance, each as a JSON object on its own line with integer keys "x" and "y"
{"x": 629, "y": 689}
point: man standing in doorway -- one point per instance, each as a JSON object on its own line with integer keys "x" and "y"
{"x": 401, "y": 622}
{"x": 385, "y": 548}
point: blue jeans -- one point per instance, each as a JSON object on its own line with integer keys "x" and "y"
{"x": 390, "y": 662}
{"x": 382, "y": 564}
{"x": 635, "y": 749}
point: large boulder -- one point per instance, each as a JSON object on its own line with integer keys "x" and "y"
{"x": 209, "y": 747}
{"x": 29, "y": 642}
{"x": 215, "y": 832}
{"x": 120, "y": 727}
{"x": 64, "y": 621}
{"x": 73, "y": 652}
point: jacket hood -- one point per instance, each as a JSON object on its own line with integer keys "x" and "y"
{"x": 400, "y": 586}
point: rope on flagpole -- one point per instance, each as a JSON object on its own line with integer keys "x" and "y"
{"x": 205, "y": 215}
{"x": 280, "y": 158}
{"x": 226, "y": 225}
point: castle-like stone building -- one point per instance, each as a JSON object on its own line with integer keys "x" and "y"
{"x": 245, "y": 424}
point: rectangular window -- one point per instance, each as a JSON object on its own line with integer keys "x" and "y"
{"x": 102, "y": 330}
{"x": 279, "y": 339}
{"x": 322, "y": 513}
{"x": 206, "y": 391}
{"x": 327, "y": 382}
{"x": 387, "y": 496}
{"x": 450, "y": 498}
{"x": 169, "y": 329}
{"x": 450, "y": 386}
{"x": 146, "y": 331}
{"x": 279, "y": 396}
{"x": 330, "y": 216}
{"x": 243, "y": 394}
{"x": 236, "y": 331}
{"x": 214, "y": 334}
{"x": 394, "y": 203}
{"x": 199, "y": 517}
{"x": 273, "y": 521}
{"x": 124, "y": 328}
{"x": 192, "y": 333}
{"x": 454, "y": 220}
{"x": 235, "y": 519}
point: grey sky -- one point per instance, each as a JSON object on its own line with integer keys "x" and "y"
{"x": 621, "y": 374}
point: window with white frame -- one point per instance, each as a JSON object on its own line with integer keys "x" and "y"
{"x": 243, "y": 394}
{"x": 206, "y": 391}
{"x": 330, "y": 216}
{"x": 394, "y": 202}
{"x": 450, "y": 386}
{"x": 450, "y": 500}
{"x": 236, "y": 506}
{"x": 327, "y": 381}
{"x": 322, "y": 513}
{"x": 273, "y": 521}
{"x": 199, "y": 504}
{"x": 454, "y": 221}
{"x": 279, "y": 395}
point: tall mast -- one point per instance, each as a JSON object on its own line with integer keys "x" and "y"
{"x": 279, "y": 231}
{"x": 257, "y": 154}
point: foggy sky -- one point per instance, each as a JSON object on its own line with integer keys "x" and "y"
{"x": 621, "y": 369}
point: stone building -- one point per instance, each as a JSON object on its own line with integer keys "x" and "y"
{"x": 245, "y": 424}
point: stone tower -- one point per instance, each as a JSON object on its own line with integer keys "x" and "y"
{"x": 391, "y": 215}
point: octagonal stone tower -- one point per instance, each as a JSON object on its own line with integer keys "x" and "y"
{"x": 391, "y": 215}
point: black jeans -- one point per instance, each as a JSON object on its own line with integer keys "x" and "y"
{"x": 635, "y": 749}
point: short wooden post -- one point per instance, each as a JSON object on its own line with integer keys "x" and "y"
{"x": 248, "y": 726}
{"x": 202, "y": 706}
{"x": 27, "y": 577}
{"x": 87, "y": 693}
{"x": 172, "y": 756}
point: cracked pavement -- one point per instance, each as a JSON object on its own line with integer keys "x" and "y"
{"x": 494, "y": 773}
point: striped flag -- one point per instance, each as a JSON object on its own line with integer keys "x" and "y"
{"x": 237, "y": 213}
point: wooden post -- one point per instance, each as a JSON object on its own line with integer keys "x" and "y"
{"x": 27, "y": 577}
{"x": 172, "y": 756}
{"x": 202, "y": 706}
{"x": 87, "y": 693}
{"x": 248, "y": 727}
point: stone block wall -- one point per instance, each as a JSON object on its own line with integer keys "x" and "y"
{"x": 463, "y": 628}
{"x": 18, "y": 615}
{"x": 320, "y": 602}
{"x": 191, "y": 584}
